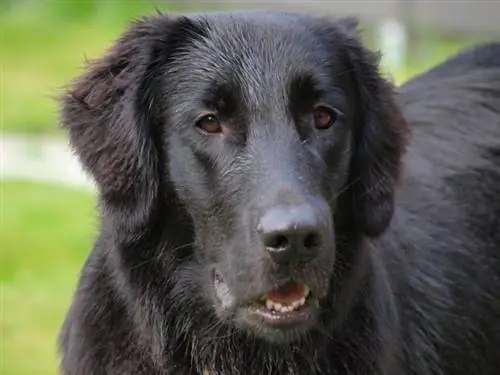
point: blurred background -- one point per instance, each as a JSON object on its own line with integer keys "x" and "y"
{"x": 47, "y": 217}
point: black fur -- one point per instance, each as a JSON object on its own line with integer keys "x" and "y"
{"x": 408, "y": 277}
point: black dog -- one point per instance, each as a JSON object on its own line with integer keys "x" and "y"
{"x": 259, "y": 213}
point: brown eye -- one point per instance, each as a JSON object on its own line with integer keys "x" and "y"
{"x": 209, "y": 124}
{"x": 324, "y": 117}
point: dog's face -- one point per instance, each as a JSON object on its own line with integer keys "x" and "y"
{"x": 259, "y": 145}
{"x": 258, "y": 124}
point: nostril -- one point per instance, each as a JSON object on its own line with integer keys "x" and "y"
{"x": 312, "y": 240}
{"x": 278, "y": 242}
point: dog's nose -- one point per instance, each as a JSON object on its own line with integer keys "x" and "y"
{"x": 291, "y": 234}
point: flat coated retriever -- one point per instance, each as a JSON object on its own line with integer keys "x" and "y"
{"x": 266, "y": 208}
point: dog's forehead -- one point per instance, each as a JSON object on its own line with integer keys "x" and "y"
{"x": 249, "y": 27}
{"x": 272, "y": 40}
{"x": 260, "y": 53}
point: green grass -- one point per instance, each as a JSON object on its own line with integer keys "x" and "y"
{"x": 44, "y": 44}
{"x": 46, "y": 233}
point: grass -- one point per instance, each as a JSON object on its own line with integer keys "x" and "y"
{"x": 46, "y": 233}
{"x": 44, "y": 44}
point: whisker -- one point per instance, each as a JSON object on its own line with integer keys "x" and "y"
{"x": 348, "y": 186}
{"x": 159, "y": 255}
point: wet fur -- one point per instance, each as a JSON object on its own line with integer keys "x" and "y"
{"x": 416, "y": 286}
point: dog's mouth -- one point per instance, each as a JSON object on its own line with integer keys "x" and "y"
{"x": 289, "y": 305}
{"x": 285, "y": 306}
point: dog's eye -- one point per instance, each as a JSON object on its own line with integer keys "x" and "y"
{"x": 324, "y": 117}
{"x": 209, "y": 124}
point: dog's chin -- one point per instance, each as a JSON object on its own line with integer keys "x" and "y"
{"x": 282, "y": 315}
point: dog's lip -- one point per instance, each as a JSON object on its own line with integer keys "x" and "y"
{"x": 217, "y": 276}
{"x": 222, "y": 290}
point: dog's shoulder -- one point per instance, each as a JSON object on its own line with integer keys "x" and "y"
{"x": 443, "y": 241}
{"x": 450, "y": 194}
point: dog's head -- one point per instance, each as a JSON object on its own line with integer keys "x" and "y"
{"x": 271, "y": 136}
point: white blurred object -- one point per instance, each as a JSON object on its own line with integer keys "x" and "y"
{"x": 393, "y": 43}
{"x": 41, "y": 159}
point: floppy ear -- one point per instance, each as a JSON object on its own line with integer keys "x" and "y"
{"x": 380, "y": 137}
{"x": 109, "y": 113}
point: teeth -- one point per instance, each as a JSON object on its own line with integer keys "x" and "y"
{"x": 269, "y": 304}
{"x": 299, "y": 303}
{"x": 306, "y": 290}
{"x": 276, "y": 306}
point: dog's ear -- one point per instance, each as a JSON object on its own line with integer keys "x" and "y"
{"x": 380, "y": 137}
{"x": 109, "y": 113}
{"x": 380, "y": 131}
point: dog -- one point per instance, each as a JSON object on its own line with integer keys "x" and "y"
{"x": 270, "y": 204}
